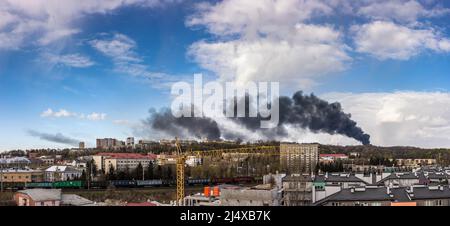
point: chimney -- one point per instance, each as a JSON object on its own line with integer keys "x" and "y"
{"x": 411, "y": 189}
{"x": 388, "y": 190}
{"x": 352, "y": 190}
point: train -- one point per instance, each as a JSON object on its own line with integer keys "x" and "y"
{"x": 129, "y": 183}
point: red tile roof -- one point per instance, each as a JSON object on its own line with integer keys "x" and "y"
{"x": 127, "y": 155}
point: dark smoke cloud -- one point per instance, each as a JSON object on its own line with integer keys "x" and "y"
{"x": 308, "y": 111}
{"x": 198, "y": 127}
{"x": 302, "y": 111}
{"x": 56, "y": 138}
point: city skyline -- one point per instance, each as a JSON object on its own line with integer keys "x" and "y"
{"x": 87, "y": 70}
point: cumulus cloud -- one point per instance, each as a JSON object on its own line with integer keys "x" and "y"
{"x": 44, "y": 21}
{"x": 69, "y": 60}
{"x": 57, "y": 114}
{"x": 387, "y": 40}
{"x": 400, "y": 118}
{"x": 268, "y": 41}
{"x": 62, "y": 113}
{"x": 406, "y": 11}
{"x": 56, "y": 138}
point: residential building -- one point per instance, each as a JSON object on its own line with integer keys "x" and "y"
{"x": 81, "y": 146}
{"x": 130, "y": 142}
{"x": 49, "y": 197}
{"x": 47, "y": 160}
{"x": 62, "y": 173}
{"x": 299, "y": 158}
{"x": 21, "y": 175}
{"x": 297, "y": 190}
{"x": 418, "y": 195}
{"x": 109, "y": 143}
{"x": 404, "y": 179}
{"x": 329, "y": 158}
{"x": 260, "y": 195}
{"x": 415, "y": 162}
{"x": 193, "y": 160}
{"x": 38, "y": 197}
{"x": 274, "y": 179}
{"x": 122, "y": 161}
{"x": 166, "y": 159}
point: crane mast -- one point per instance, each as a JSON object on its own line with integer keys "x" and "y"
{"x": 181, "y": 159}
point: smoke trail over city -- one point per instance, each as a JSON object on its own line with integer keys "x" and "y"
{"x": 300, "y": 111}
{"x": 199, "y": 127}
{"x": 56, "y": 138}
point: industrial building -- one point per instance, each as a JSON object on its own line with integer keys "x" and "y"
{"x": 299, "y": 158}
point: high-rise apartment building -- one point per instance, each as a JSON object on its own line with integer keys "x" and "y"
{"x": 299, "y": 158}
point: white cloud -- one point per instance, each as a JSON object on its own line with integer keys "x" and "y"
{"x": 252, "y": 17}
{"x": 387, "y": 40}
{"x": 398, "y": 10}
{"x": 44, "y": 21}
{"x": 400, "y": 118}
{"x": 62, "y": 113}
{"x": 123, "y": 52}
{"x": 96, "y": 116}
{"x": 70, "y": 60}
{"x": 268, "y": 41}
{"x": 119, "y": 47}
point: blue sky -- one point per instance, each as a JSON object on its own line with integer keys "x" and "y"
{"x": 94, "y": 69}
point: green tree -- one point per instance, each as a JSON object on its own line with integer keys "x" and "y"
{"x": 149, "y": 174}
{"x": 138, "y": 172}
{"x": 111, "y": 173}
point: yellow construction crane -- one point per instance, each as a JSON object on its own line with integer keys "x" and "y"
{"x": 181, "y": 161}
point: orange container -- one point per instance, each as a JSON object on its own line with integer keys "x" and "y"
{"x": 207, "y": 191}
{"x": 216, "y": 191}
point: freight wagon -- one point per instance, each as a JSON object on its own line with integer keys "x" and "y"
{"x": 123, "y": 183}
{"x": 68, "y": 184}
{"x": 97, "y": 184}
{"x": 39, "y": 185}
{"x": 198, "y": 181}
{"x": 149, "y": 183}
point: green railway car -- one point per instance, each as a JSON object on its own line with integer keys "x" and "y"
{"x": 39, "y": 185}
{"x": 68, "y": 184}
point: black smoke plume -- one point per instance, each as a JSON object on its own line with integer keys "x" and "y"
{"x": 56, "y": 138}
{"x": 307, "y": 111}
{"x": 302, "y": 111}
{"x": 199, "y": 127}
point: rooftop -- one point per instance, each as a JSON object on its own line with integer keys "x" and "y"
{"x": 61, "y": 169}
{"x": 43, "y": 194}
{"x": 127, "y": 155}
